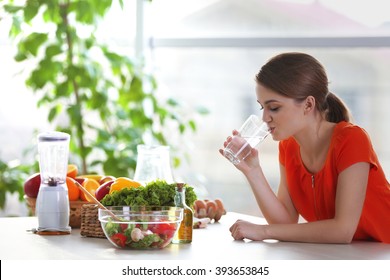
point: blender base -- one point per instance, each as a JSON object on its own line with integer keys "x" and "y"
{"x": 50, "y": 231}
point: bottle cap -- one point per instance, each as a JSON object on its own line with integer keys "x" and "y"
{"x": 179, "y": 186}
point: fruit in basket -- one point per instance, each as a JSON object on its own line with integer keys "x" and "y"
{"x": 32, "y": 184}
{"x": 73, "y": 190}
{"x": 106, "y": 179}
{"x": 72, "y": 171}
{"x": 80, "y": 180}
{"x": 95, "y": 177}
{"x": 103, "y": 190}
{"x": 89, "y": 181}
{"x": 91, "y": 186}
{"x": 123, "y": 182}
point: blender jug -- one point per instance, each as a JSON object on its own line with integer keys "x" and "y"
{"x": 52, "y": 206}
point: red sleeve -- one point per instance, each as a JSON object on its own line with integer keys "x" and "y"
{"x": 353, "y": 145}
{"x": 282, "y": 151}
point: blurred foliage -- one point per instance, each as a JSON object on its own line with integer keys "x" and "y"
{"x": 107, "y": 99}
{"x": 12, "y": 177}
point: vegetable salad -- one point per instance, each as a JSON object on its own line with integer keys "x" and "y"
{"x": 142, "y": 234}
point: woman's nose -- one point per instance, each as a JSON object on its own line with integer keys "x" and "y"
{"x": 266, "y": 117}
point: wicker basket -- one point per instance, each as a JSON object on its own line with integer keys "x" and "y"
{"x": 75, "y": 210}
{"x": 90, "y": 224}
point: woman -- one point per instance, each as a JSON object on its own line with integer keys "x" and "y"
{"x": 329, "y": 172}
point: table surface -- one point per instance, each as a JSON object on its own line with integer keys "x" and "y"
{"x": 211, "y": 243}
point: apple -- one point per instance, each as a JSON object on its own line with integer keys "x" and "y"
{"x": 103, "y": 190}
{"x": 105, "y": 179}
{"x": 80, "y": 180}
{"x": 32, "y": 184}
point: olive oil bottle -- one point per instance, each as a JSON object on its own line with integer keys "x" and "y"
{"x": 184, "y": 234}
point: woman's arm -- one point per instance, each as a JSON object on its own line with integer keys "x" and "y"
{"x": 276, "y": 209}
{"x": 350, "y": 195}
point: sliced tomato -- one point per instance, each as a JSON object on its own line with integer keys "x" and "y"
{"x": 164, "y": 229}
{"x": 119, "y": 239}
{"x": 123, "y": 226}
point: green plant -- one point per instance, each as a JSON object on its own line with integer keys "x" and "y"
{"x": 12, "y": 177}
{"x": 108, "y": 99}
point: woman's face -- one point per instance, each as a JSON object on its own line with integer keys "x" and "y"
{"x": 285, "y": 117}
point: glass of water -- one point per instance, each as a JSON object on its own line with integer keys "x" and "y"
{"x": 250, "y": 134}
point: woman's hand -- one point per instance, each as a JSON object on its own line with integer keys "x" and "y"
{"x": 243, "y": 229}
{"x": 250, "y": 162}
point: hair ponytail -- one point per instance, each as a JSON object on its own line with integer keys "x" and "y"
{"x": 336, "y": 110}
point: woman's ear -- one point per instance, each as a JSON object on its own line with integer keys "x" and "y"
{"x": 310, "y": 104}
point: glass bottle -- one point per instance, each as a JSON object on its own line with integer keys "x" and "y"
{"x": 184, "y": 234}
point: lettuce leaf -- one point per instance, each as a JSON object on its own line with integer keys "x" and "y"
{"x": 155, "y": 193}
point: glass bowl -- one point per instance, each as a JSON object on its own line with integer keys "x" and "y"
{"x": 143, "y": 227}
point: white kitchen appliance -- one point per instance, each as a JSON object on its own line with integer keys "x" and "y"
{"x": 52, "y": 205}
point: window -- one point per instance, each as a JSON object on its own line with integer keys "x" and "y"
{"x": 209, "y": 52}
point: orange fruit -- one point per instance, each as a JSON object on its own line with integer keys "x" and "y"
{"x": 95, "y": 177}
{"x": 123, "y": 182}
{"x": 91, "y": 186}
{"x": 72, "y": 171}
{"x": 73, "y": 190}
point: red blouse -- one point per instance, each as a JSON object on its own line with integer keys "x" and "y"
{"x": 314, "y": 195}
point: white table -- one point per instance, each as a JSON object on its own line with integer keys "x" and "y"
{"x": 211, "y": 243}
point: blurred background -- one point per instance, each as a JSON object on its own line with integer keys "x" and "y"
{"x": 205, "y": 53}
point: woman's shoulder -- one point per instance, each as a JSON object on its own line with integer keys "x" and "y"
{"x": 350, "y": 137}
{"x": 352, "y": 144}
{"x": 348, "y": 131}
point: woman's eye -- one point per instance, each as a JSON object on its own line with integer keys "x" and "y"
{"x": 274, "y": 109}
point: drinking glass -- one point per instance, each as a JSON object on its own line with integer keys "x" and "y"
{"x": 250, "y": 134}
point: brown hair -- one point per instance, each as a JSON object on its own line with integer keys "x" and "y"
{"x": 299, "y": 75}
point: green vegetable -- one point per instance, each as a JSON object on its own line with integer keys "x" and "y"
{"x": 127, "y": 231}
{"x": 112, "y": 228}
{"x": 145, "y": 242}
{"x": 155, "y": 193}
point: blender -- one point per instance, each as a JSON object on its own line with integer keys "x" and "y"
{"x": 52, "y": 206}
